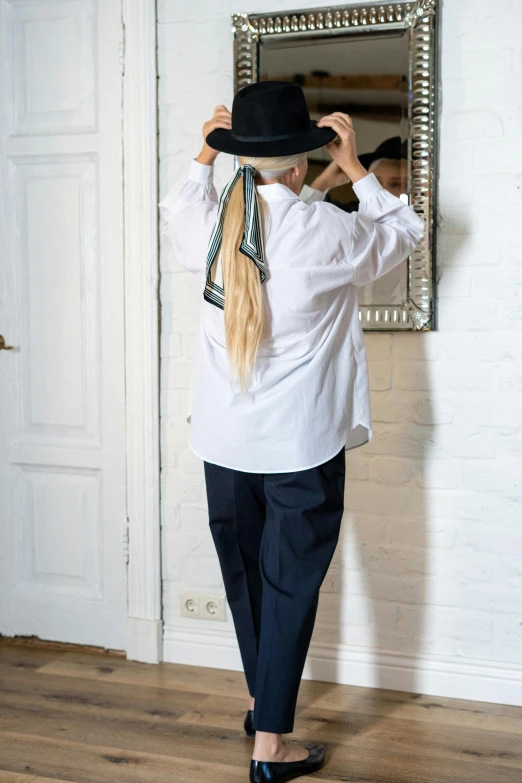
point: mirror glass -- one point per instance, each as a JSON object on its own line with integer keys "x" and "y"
{"x": 367, "y": 78}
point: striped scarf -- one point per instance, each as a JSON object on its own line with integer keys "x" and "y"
{"x": 252, "y": 242}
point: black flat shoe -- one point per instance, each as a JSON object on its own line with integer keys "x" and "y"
{"x": 282, "y": 771}
{"x": 249, "y": 724}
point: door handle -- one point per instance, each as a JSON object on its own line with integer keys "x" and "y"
{"x": 3, "y": 346}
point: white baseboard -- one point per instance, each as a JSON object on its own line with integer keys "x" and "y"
{"x": 452, "y": 677}
{"x": 144, "y": 640}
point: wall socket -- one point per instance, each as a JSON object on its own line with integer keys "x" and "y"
{"x": 202, "y": 606}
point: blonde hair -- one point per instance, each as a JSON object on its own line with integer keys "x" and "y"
{"x": 244, "y": 309}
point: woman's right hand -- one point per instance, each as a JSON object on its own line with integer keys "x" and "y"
{"x": 343, "y": 149}
{"x": 221, "y": 118}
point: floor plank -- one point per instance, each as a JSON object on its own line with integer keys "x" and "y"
{"x": 194, "y": 679}
{"x": 79, "y": 717}
{"x": 33, "y": 642}
{"x": 24, "y": 658}
{"x": 14, "y": 777}
{"x": 86, "y": 763}
{"x": 84, "y": 696}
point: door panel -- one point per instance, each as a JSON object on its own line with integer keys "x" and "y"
{"x": 62, "y": 442}
{"x": 50, "y": 52}
{"x": 46, "y": 501}
{"x": 60, "y": 367}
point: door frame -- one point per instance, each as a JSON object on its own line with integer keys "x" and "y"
{"x": 144, "y": 627}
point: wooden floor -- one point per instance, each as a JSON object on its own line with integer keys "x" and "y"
{"x": 95, "y": 718}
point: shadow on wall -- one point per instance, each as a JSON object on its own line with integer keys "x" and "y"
{"x": 371, "y": 623}
{"x": 369, "y": 627}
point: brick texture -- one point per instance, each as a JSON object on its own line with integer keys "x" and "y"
{"x": 429, "y": 559}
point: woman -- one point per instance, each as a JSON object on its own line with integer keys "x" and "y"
{"x": 279, "y": 386}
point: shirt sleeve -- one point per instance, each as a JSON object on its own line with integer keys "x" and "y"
{"x": 310, "y": 195}
{"x": 385, "y": 231}
{"x": 189, "y": 211}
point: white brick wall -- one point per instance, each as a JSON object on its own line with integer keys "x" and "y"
{"x": 425, "y": 591}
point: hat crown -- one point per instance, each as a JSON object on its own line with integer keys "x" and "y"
{"x": 272, "y": 109}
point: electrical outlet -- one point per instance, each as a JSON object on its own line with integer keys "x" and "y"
{"x": 212, "y": 607}
{"x": 203, "y": 607}
{"x": 190, "y": 605}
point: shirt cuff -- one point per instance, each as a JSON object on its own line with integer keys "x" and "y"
{"x": 309, "y": 194}
{"x": 200, "y": 172}
{"x": 367, "y": 187}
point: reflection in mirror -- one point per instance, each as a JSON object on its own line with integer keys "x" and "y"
{"x": 367, "y": 78}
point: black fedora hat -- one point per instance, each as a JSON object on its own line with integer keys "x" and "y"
{"x": 270, "y": 119}
{"x": 392, "y": 149}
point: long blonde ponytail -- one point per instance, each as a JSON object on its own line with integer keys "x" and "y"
{"x": 244, "y": 308}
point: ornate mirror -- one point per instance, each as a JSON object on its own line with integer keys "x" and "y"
{"x": 377, "y": 63}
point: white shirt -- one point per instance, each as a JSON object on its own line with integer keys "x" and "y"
{"x": 310, "y": 395}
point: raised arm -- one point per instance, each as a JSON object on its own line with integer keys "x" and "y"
{"x": 385, "y": 230}
{"x": 189, "y": 209}
{"x": 331, "y": 177}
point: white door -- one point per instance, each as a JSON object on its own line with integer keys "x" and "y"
{"x": 62, "y": 405}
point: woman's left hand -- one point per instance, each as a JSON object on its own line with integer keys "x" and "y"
{"x": 221, "y": 118}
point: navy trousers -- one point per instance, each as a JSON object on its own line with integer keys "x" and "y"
{"x": 275, "y": 535}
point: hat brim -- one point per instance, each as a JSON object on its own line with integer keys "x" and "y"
{"x": 391, "y": 149}
{"x": 367, "y": 158}
{"x": 221, "y": 139}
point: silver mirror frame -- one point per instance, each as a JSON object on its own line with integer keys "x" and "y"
{"x": 420, "y": 21}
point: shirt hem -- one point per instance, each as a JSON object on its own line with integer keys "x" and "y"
{"x": 288, "y": 470}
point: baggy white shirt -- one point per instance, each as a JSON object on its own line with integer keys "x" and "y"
{"x": 310, "y": 394}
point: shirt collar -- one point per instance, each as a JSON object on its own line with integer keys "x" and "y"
{"x": 276, "y": 192}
